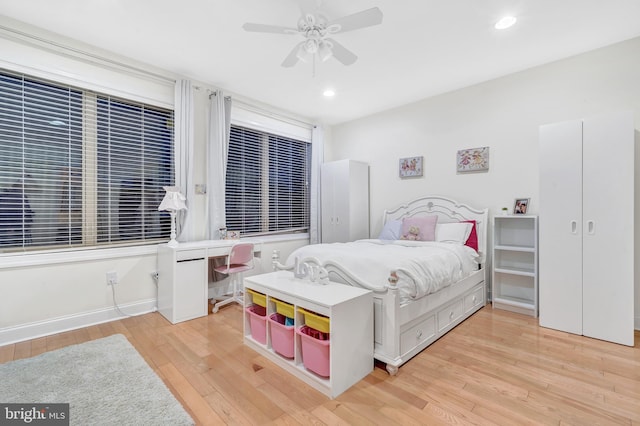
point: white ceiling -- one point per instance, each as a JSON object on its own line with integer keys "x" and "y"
{"x": 422, "y": 48}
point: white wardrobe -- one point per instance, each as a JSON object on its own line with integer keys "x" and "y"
{"x": 587, "y": 227}
{"x": 344, "y": 192}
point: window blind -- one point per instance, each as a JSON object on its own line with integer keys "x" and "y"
{"x": 80, "y": 168}
{"x": 267, "y": 189}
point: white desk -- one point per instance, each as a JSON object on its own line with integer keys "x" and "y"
{"x": 183, "y": 276}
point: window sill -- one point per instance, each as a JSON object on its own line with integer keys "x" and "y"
{"x": 20, "y": 260}
{"x": 282, "y": 238}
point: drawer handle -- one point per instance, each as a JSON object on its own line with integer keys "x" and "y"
{"x": 451, "y": 315}
{"x": 418, "y": 334}
{"x": 474, "y": 299}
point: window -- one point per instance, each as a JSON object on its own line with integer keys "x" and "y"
{"x": 80, "y": 168}
{"x": 267, "y": 183}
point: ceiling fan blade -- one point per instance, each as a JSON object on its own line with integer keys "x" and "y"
{"x": 366, "y": 18}
{"x": 341, "y": 53}
{"x": 292, "y": 57}
{"x": 263, "y": 28}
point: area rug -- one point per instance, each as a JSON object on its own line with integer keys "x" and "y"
{"x": 105, "y": 382}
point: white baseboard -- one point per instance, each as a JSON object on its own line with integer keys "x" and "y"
{"x": 637, "y": 323}
{"x": 34, "y": 330}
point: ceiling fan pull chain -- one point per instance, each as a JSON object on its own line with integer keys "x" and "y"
{"x": 313, "y": 73}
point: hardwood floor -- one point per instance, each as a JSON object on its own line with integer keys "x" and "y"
{"x": 495, "y": 368}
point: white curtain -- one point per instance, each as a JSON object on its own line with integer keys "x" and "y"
{"x": 217, "y": 153}
{"x": 184, "y": 115}
{"x": 317, "y": 158}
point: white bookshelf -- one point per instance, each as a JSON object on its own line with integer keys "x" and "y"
{"x": 515, "y": 264}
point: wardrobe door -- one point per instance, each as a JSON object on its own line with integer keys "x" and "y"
{"x": 608, "y": 215}
{"x": 334, "y": 189}
{"x": 328, "y": 201}
{"x": 560, "y": 227}
{"x": 341, "y": 203}
{"x": 358, "y": 201}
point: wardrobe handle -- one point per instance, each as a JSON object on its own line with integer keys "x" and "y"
{"x": 574, "y": 227}
{"x": 591, "y": 227}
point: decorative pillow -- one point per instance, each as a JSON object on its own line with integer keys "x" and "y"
{"x": 391, "y": 230}
{"x": 472, "y": 241}
{"x": 419, "y": 228}
{"x": 455, "y": 232}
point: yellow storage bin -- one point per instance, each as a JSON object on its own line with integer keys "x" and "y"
{"x": 313, "y": 320}
{"x": 283, "y": 308}
{"x": 258, "y": 298}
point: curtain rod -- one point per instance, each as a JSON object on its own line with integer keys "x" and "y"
{"x": 262, "y": 111}
{"x": 272, "y": 114}
{"x": 214, "y": 93}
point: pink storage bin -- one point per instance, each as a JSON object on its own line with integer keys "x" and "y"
{"x": 258, "y": 323}
{"x": 315, "y": 353}
{"x": 281, "y": 335}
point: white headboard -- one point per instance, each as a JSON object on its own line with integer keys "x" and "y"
{"x": 447, "y": 210}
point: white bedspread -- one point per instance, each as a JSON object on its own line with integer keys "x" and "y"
{"x": 423, "y": 267}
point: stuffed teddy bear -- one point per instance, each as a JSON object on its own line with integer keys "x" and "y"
{"x": 413, "y": 234}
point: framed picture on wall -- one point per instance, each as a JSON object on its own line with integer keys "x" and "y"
{"x": 521, "y": 206}
{"x": 473, "y": 160}
{"x": 410, "y": 167}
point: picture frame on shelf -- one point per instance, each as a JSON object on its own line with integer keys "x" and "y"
{"x": 521, "y": 206}
{"x": 410, "y": 167}
{"x": 232, "y": 235}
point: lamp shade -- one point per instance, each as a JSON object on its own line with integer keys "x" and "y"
{"x": 173, "y": 200}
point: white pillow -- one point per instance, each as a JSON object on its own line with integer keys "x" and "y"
{"x": 454, "y": 232}
{"x": 391, "y": 230}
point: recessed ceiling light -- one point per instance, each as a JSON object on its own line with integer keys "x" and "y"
{"x": 329, "y": 93}
{"x": 505, "y": 22}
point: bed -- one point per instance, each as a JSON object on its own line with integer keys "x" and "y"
{"x": 410, "y": 312}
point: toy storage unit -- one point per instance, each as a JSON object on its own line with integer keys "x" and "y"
{"x": 322, "y": 334}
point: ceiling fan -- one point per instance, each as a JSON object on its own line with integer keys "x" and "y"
{"x": 317, "y": 30}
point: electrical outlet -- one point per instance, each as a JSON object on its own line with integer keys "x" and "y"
{"x": 112, "y": 277}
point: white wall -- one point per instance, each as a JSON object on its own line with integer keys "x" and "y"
{"x": 503, "y": 114}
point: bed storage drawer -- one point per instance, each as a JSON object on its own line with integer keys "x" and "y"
{"x": 422, "y": 331}
{"x": 474, "y": 299}
{"x": 449, "y": 315}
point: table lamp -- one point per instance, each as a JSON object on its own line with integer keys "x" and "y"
{"x": 172, "y": 202}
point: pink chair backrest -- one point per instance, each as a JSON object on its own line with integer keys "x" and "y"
{"x": 241, "y": 253}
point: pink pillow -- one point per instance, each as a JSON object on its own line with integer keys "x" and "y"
{"x": 472, "y": 241}
{"x": 419, "y": 228}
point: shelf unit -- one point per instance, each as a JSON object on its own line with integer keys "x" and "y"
{"x": 515, "y": 264}
{"x": 350, "y": 313}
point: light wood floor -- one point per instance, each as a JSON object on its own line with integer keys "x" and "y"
{"x": 495, "y": 368}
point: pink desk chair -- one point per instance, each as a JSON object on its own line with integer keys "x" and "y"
{"x": 240, "y": 259}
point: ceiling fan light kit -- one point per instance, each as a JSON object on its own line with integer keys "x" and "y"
{"x": 505, "y": 22}
{"x": 316, "y": 30}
